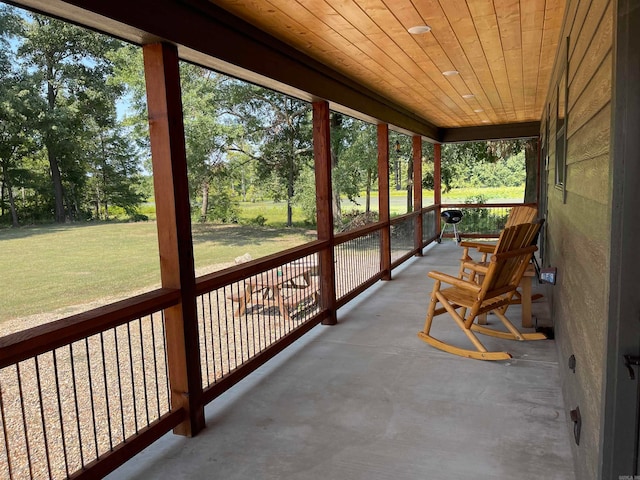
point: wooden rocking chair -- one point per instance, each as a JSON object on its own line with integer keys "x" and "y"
{"x": 465, "y": 300}
{"x": 518, "y": 215}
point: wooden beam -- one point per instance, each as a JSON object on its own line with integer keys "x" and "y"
{"x": 383, "y": 200}
{"x": 490, "y": 132}
{"x": 417, "y": 190}
{"x": 437, "y": 182}
{"x": 173, "y": 212}
{"x": 324, "y": 208}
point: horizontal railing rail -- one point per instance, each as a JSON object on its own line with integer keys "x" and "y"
{"x": 358, "y": 232}
{"x": 211, "y": 281}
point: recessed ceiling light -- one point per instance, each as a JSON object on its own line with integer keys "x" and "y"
{"x": 485, "y": 121}
{"x": 468, "y": 95}
{"x": 418, "y": 29}
{"x": 449, "y": 73}
{"x": 479, "y": 110}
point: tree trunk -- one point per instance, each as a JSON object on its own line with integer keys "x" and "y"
{"x": 290, "y": 194}
{"x": 244, "y": 187}
{"x": 367, "y": 201}
{"x": 410, "y": 185}
{"x": 54, "y": 166}
{"x": 58, "y": 192}
{"x": 531, "y": 164}
{"x": 2, "y": 196}
{"x": 335, "y": 194}
{"x": 12, "y": 203}
{"x": 205, "y": 202}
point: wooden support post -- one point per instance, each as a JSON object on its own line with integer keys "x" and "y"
{"x": 383, "y": 200}
{"x": 417, "y": 190}
{"x": 437, "y": 183}
{"x": 166, "y": 131}
{"x": 324, "y": 207}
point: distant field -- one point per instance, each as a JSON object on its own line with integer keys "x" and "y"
{"x": 398, "y": 198}
{"x": 56, "y": 267}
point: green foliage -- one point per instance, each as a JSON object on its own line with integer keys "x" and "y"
{"x": 305, "y": 196}
{"x": 62, "y": 148}
{"x": 480, "y": 219}
{"x": 480, "y": 164}
{"x": 223, "y": 207}
{"x": 259, "y": 221}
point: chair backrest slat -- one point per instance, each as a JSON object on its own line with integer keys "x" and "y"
{"x": 521, "y": 214}
{"x": 509, "y": 270}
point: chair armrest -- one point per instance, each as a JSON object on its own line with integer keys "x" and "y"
{"x": 480, "y": 246}
{"x": 514, "y": 253}
{"x": 476, "y": 266}
{"x": 487, "y": 248}
{"x": 455, "y": 281}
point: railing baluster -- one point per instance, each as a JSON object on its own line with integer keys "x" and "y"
{"x": 42, "y": 416}
{"x": 5, "y": 433}
{"x": 155, "y": 364}
{"x": 74, "y": 382}
{"x": 91, "y": 397}
{"x": 60, "y": 417}
{"x": 144, "y": 376}
{"x": 106, "y": 386}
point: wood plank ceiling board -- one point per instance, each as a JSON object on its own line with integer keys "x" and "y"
{"x": 502, "y": 49}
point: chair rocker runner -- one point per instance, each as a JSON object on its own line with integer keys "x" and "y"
{"x": 465, "y": 300}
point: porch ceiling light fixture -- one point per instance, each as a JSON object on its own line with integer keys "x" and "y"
{"x": 468, "y": 95}
{"x": 449, "y": 73}
{"x": 478, "y": 110}
{"x": 419, "y": 29}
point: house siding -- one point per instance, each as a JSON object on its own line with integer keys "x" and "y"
{"x": 578, "y": 219}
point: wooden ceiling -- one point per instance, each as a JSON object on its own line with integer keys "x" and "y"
{"x": 502, "y": 49}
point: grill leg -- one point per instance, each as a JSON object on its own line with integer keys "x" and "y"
{"x": 444, "y": 227}
{"x": 455, "y": 233}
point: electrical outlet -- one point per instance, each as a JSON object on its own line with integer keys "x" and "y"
{"x": 548, "y": 275}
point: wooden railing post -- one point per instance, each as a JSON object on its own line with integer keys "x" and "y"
{"x": 383, "y": 200}
{"x": 166, "y": 132}
{"x": 437, "y": 183}
{"x": 417, "y": 191}
{"x": 324, "y": 207}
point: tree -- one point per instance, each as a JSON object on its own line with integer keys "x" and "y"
{"x": 114, "y": 173}
{"x": 275, "y": 133}
{"x": 71, "y": 66}
{"x": 207, "y": 137}
{"x": 18, "y": 114}
{"x": 460, "y": 160}
{"x": 19, "y": 107}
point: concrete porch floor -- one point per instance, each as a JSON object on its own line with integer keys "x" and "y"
{"x": 366, "y": 399}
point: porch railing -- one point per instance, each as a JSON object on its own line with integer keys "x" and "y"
{"x": 485, "y": 220}
{"x": 82, "y": 395}
{"x": 78, "y": 392}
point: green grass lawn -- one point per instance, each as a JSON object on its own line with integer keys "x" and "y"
{"x": 55, "y": 267}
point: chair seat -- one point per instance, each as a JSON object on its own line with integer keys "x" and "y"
{"x": 463, "y": 298}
